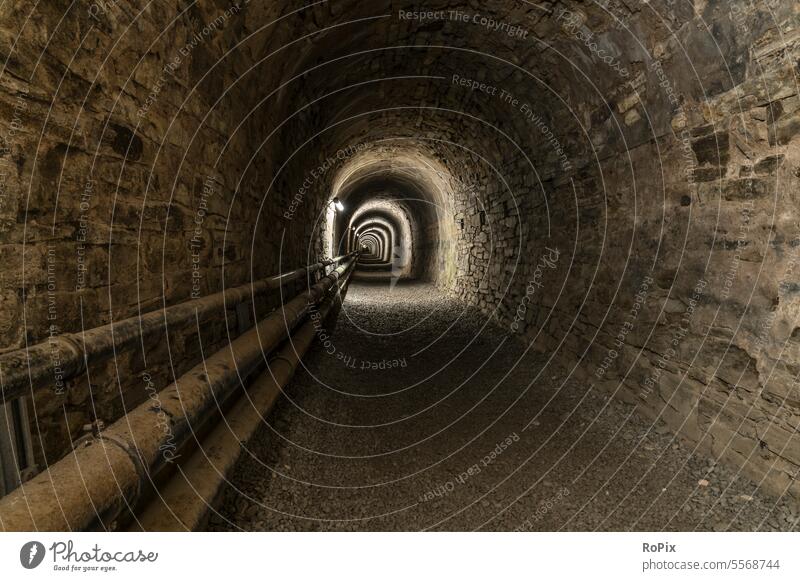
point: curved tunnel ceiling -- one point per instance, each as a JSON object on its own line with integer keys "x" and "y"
{"x": 556, "y": 162}
{"x": 613, "y": 183}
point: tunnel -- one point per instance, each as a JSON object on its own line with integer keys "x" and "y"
{"x": 336, "y": 265}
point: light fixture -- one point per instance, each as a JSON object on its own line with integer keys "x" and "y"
{"x": 338, "y": 204}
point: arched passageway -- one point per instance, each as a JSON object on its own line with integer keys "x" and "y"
{"x": 565, "y": 234}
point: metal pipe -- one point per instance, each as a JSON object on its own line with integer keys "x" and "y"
{"x": 62, "y": 357}
{"x": 184, "y": 502}
{"x": 106, "y": 472}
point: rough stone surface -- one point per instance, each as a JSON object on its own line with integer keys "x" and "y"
{"x": 618, "y": 185}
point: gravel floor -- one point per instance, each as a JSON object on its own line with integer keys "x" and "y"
{"x": 421, "y": 414}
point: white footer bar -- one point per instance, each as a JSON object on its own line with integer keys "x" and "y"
{"x": 389, "y": 556}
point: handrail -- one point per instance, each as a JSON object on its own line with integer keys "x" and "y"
{"x": 106, "y": 472}
{"x": 62, "y": 357}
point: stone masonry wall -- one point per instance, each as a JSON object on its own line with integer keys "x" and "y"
{"x": 618, "y": 185}
{"x": 127, "y": 182}
{"x": 673, "y": 285}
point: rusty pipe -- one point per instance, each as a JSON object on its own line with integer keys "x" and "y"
{"x": 62, "y": 357}
{"x": 184, "y": 501}
{"x": 105, "y": 474}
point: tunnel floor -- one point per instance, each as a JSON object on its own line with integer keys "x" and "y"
{"x": 419, "y": 414}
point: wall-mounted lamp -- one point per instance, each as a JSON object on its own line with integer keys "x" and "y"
{"x": 338, "y": 204}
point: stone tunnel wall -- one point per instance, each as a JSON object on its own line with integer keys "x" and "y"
{"x": 634, "y": 216}
{"x": 120, "y": 167}
{"x": 662, "y": 265}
